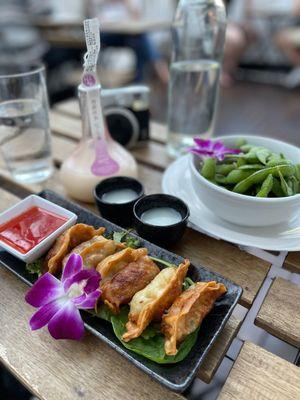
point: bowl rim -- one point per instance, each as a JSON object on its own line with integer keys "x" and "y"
{"x": 166, "y": 196}
{"x": 239, "y": 196}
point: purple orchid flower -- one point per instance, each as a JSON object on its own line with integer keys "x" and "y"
{"x": 59, "y": 302}
{"x": 210, "y": 148}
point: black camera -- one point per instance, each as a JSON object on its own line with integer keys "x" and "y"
{"x": 126, "y": 111}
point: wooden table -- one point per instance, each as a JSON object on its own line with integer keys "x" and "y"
{"x": 50, "y": 369}
{"x": 70, "y": 33}
{"x": 258, "y": 374}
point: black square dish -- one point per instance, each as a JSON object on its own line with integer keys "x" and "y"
{"x": 178, "y": 376}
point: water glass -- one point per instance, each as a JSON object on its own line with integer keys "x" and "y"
{"x": 25, "y": 140}
{"x": 198, "y": 33}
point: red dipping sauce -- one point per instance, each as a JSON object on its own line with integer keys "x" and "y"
{"x": 28, "y": 229}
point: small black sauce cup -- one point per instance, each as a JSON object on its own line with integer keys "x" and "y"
{"x": 118, "y": 213}
{"x": 162, "y": 235}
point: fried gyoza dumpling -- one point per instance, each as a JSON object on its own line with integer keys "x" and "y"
{"x": 122, "y": 287}
{"x": 71, "y": 238}
{"x": 150, "y": 303}
{"x": 95, "y": 250}
{"x": 188, "y": 311}
{"x": 114, "y": 263}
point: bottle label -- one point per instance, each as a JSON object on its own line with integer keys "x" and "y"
{"x": 103, "y": 164}
{"x": 92, "y": 39}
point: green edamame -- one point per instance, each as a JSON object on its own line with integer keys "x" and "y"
{"x": 277, "y": 189}
{"x": 298, "y": 172}
{"x": 274, "y": 163}
{"x": 260, "y": 176}
{"x": 294, "y": 184}
{"x": 287, "y": 190}
{"x": 224, "y": 169}
{"x": 263, "y": 154}
{"x": 240, "y": 142}
{"x": 237, "y": 175}
{"x": 246, "y": 148}
{"x": 266, "y": 186}
{"x": 252, "y": 166}
{"x": 251, "y": 158}
{"x": 220, "y": 179}
{"x": 240, "y": 162}
{"x": 209, "y": 168}
{"x": 255, "y": 171}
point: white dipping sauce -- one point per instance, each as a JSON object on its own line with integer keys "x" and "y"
{"x": 119, "y": 196}
{"x": 161, "y": 216}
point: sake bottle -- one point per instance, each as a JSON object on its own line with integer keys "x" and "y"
{"x": 97, "y": 155}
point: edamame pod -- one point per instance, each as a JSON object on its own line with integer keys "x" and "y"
{"x": 287, "y": 190}
{"x": 224, "y": 169}
{"x": 260, "y": 176}
{"x": 241, "y": 162}
{"x": 237, "y": 175}
{"x": 263, "y": 154}
{"x": 266, "y": 187}
{"x": 240, "y": 142}
{"x": 246, "y": 148}
{"x": 251, "y": 158}
{"x": 220, "y": 179}
{"x": 208, "y": 169}
{"x": 297, "y": 173}
{"x": 275, "y": 163}
{"x": 277, "y": 189}
{"x": 252, "y": 166}
{"x": 295, "y": 184}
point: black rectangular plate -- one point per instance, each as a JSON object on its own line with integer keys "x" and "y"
{"x": 178, "y": 376}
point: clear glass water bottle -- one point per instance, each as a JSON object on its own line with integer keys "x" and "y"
{"x": 198, "y": 33}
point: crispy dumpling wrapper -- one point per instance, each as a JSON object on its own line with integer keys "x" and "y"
{"x": 132, "y": 278}
{"x": 188, "y": 311}
{"x": 111, "y": 265}
{"x": 150, "y": 303}
{"x": 95, "y": 250}
{"x": 71, "y": 238}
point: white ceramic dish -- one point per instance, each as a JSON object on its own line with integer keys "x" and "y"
{"x": 241, "y": 209}
{"x": 283, "y": 237}
{"x": 45, "y": 244}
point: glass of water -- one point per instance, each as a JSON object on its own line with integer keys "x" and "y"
{"x": 198, "y": 34}
{"x": 25, "y": 140}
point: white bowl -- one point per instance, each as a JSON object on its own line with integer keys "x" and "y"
{"x": 40, "y": 249}
{"x": 241, "y": 209}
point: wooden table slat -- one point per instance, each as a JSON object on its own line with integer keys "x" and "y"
{"x": 292, "y": 262}
{"x": 258, "y": 374}
{"x": 279, "y": 314}
{"x": 7, "y": 200}
{"x": 219, "y": 350}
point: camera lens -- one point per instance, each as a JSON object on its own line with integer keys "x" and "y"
{"x": 122, "y": 125}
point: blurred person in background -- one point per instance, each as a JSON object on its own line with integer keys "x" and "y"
{"x": 142, "y": 45}
{"x": 255, "y": 35}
